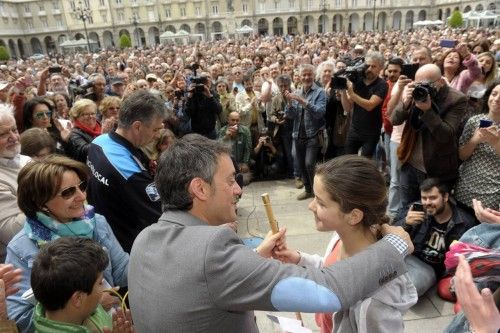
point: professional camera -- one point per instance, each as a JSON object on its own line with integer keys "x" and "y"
{"x": 355, "y": 72}
{"x": 422, "y": 90}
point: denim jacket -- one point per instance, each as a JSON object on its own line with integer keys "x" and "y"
{"x": 22, "y": 251}
{"x": 314, "y": 115}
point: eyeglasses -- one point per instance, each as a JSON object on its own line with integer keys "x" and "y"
{"x": 43, "y": 114}
{"x": 69, "y": 192}
{"x": 88, "y": 115}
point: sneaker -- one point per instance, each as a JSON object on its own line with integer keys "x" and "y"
{"x": 298, "y": 183}
{"x": 304, "y": 195}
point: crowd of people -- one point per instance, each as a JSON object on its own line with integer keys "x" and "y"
{"x": 143, "y": 152}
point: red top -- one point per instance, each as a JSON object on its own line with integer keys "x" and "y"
{"x": 325, "y": 320}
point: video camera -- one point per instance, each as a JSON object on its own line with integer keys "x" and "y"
{"x": 355, "y": 72}
{"x": 422, "y": 90}
{"x": 198, "y": 81}
{"x": 75, "y": 88}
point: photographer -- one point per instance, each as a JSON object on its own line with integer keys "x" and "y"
{"x": 432, "y": 111}
{"x": 239, "y": 138}
{"x": 98, "y": 87}
{"x": 266, "y": 156}
{"x": 56, "y": 75}
{"x": 365, "y": 95}
{"x": 202, "y": 107}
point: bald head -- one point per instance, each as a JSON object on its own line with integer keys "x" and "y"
{"x": 429, "y": 73}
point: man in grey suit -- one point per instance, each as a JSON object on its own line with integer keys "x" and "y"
{"x": 187, "y": 273}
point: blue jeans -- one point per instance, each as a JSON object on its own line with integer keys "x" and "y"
{"x": 394, "y": 187}
{"x": 410, "y": 180}
{"x": 307, "y": 152}
{"x": 421, "y": 274}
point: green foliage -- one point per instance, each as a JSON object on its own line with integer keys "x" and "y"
{"x": 456, "y": 19}
{"x": 4, "y": 53}
{"x": 125, "y": 41}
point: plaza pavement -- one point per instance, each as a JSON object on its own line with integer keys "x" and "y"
{"x": 430, "y": 314}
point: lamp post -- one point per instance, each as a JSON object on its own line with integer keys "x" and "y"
{"x": 84, "y": 14}
{"x": 135, "y": 22}
{"x": 374, "y": 7}
{"x": 324, "y": 8}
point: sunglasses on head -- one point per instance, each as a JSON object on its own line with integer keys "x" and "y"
{"x": 69, "y": 192}
{"x": 41, "y": 115}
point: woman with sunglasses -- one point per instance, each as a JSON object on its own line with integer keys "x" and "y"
{"x": 52, "y": 196}
{"x": 38, "y": 112}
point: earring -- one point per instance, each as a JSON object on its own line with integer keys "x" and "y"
{"x": 45, "y": 210}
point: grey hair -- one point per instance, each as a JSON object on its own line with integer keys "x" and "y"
{"x": 322, "y": 67}
{"x": 193, "y": 156}
{"x": 95, "y": 76}
{"x": 6, "y": 111}
{"x": 377, "y": 56}
{"x": 140, "y": 106}
{"x": 304, "y": 67}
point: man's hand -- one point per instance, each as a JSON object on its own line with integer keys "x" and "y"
{"x": 403, "y": 81}
{"x": 292, "y": 96}
{"x": 414, "y": 217}
{"x": 407, "y": 97}
{"x": 231, "y": 131}
{"x": 479, "y": 308}
{"x": 386, "y": 229}
{"x": 206, "y": 91}
{"x": 350, "y": 88}
{"x": 44, "y": 75}
{"x": 265, "y": 249}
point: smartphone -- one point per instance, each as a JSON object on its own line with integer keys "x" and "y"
{"x": 418, "y": 207}
{"x": 339, "y": 83}
{"x": 483, "y": 123}
{"x": 448, "y": 43}
{"x": 409, "y": 70}
{"x": 55, "y": 69}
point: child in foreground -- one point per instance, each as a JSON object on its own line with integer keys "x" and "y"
{"x": 67, "y": 281}
{"x": 350, "y": 198}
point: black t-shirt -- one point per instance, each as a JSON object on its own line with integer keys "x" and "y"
{"x": 435, "y": 248}
{"x": 368, "y": 123}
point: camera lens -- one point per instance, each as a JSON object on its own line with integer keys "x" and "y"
{"x": 420, "y": 93}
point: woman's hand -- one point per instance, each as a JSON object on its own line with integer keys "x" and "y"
{"x": 10, "y": 277}
{"x": 64, "y": 132}
{"x": 108, "y": 124}
{"x": 265, "y": 249}
{"x": 486, "y": 135}
{"x": 463, "y": 50}
{"x": 485, "y": 215}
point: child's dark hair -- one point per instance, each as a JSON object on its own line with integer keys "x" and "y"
{"x": 355, "y": 182}
{"x": 64, "y": 266}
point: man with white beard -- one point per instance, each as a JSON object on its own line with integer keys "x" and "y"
{"x": 11, "y": 161}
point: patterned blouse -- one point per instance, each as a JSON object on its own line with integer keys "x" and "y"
{"x": 479, "y": 175}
